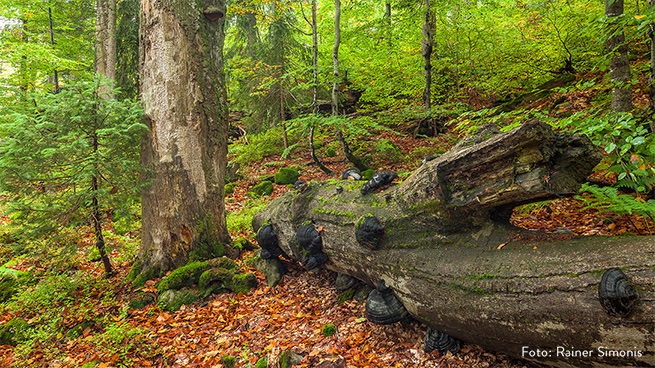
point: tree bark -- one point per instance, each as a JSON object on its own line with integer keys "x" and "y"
{"x": 426, "y": 51}
{"x": 651, "y": 80}
{"x": 185, "y": 150}
{"x": 105, "y": 48}
{"x": 619, "y": 63}
{"x": 451, "y": 256}
{"x": 335, "y": 57}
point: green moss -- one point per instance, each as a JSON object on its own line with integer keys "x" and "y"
{"x": 329, "y": 330}
{"x": 183, "y": 276}
{"x": 243, "y": 283}
{"x": 13, "y": 332}
{"x": 368, "y": 174}
{"x": 286, "y": 176}
{"x": 207, "y": 245}
{"x": 7, "y": 289}
{"x": 216, "y": 279}
{"x": 264, "y": 188}
{"x": 345, "y": 296}
{"x": 350, "y": 215}
{"x": 144, "y": 276}
{"x": 228, "y": 361}
{"x": 261, "y": 363}
{"x": 229, "y": 188}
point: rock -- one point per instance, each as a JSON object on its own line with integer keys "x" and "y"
{"x": 271, "y": 268}
{"x": 288, "y": 358}
{"x": 262, "y": 189}
{"x": 172, "y": 300}
{"x": 13, "y": 332}
{"x": 142, "y": 300}
{"x": 286, "y": 175}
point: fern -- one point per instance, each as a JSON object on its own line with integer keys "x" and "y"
{"x": 608, "y": 199}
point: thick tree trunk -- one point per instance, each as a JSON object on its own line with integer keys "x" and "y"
{"x": 619, "y": 63}
{"x": 456, "y": 263}
{"x": 183, "y": 92}
{"x": 105, "y": 48}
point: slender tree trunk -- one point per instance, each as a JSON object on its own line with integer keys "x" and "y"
{"x": 52, "y": 42}
{"x": 387, "y": 17}
{"x": 651, "y": 80}
{"x": 335, "y": 57}
{"x": 315, "y": 90}
{"x": 95, "y": 214}
{"x": 105, "y": 48}
{"x": 426, "y": 51}
{"x": 619, "y": 63}
{"x": 184, "y": 96}
{"x": 283, "y": 118}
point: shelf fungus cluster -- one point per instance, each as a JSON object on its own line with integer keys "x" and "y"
{"x": 311, "y": 244}
{"x": 440, "y": 341}
{"x": 378, "y": 180}
{"x": 383, "y": 306}
{"x": 268, "y": 242}
{"x": 369, "y": 231}
{"x": 616, "y": 294}
{"x": 351, "y": 174}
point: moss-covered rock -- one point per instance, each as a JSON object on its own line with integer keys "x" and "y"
{"x": 286, "y": 175}
{"x": 271, "y": 268}
{"x": 142, "y": 299}
{"x": 172, "y": 300}
{"x": 183, "y": 276}
{"x": 13, "y": 332}
{"x": 261, "y": 363}
{"x": 329, "y": 330}
{"x": 229, "y": 188}
{"x": 368, "y": 174}
{"x": 243, "y": 283}
{"x": 262, "y": 189}
{"x": 222, "y": 262}
{"x": 228, "y": 361}
{"x": 216, "y": 279}
{"x": 7, "y": 289}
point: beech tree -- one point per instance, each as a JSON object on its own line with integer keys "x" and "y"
{"x": 619, "y": 63}
{"x": 185, "y": 149}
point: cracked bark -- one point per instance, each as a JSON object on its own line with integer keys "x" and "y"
{"x": 456, "y": 263}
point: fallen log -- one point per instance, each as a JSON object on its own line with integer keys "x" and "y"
{"x": 441, "y": 240}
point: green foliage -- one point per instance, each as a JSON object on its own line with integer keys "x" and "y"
{"x": 264, "y": 188}
{"x": 606, "y": 199}
{"x": 260, "y": 145}
{"x": 261, "y": 363}
{"x": 346, "y": 295}
{"x": 48, "y": 157}
{"x": 328, "y": 330}
{"x": 629, "y": 145}
{"x": 238, "y": 222}
{"x": 286, "y": 176}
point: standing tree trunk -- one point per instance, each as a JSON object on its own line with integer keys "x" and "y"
{"x": 52, "y": 42}
{"x": 105, "y": 48}
{"x": 183, "y": 92}
{"x": 315, "y": 90}
{"x": 426, "y": 51}
{"x": 95, "y": 212}
{"x": 335, "y": 57}
{"x": 651, "y": 80}
{"x": 619, "y": 63}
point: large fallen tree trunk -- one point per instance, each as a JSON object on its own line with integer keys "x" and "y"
{"x": 452, "y": 258}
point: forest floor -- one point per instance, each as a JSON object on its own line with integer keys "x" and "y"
{"x": 269, "y": 321}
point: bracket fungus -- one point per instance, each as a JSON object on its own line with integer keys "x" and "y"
{"x": 352, "y": 173}
{"x": 440, "y": 341}
{"x": 383, "y": 306}
{"x": 344, "y": 282}
{"x": 369, "y": 231}
{"x": 378, "y": 180}
{"x": 616, "y": 293}
{"x": 268, "y": 242}
{"x": 213, "y": 13}
{"x": 310, "y": 242}
{"x": 298, "y": 184}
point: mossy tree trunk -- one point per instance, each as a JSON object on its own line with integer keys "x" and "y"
{"x": 451, "y": 256}
{"x": 183, "y": 92}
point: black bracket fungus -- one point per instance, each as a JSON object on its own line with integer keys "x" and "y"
{"x": 352, "y": 173}
{"x": 311, "y": 244}
{"x": 268, "y": 242}
{"x": 383, "y": 306}
{"x": 369, "y": 231}
{"x": 213, "y": 13}
{"x": 298, "y": 184}
{"x": 378, "y": 180}
{"x": 616, "y": 294}
{"x": 442, "y": 342}
{"x": 344, "y": 282}
{"x": 339, "y": 189}
{"x": 427, "y": 159}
